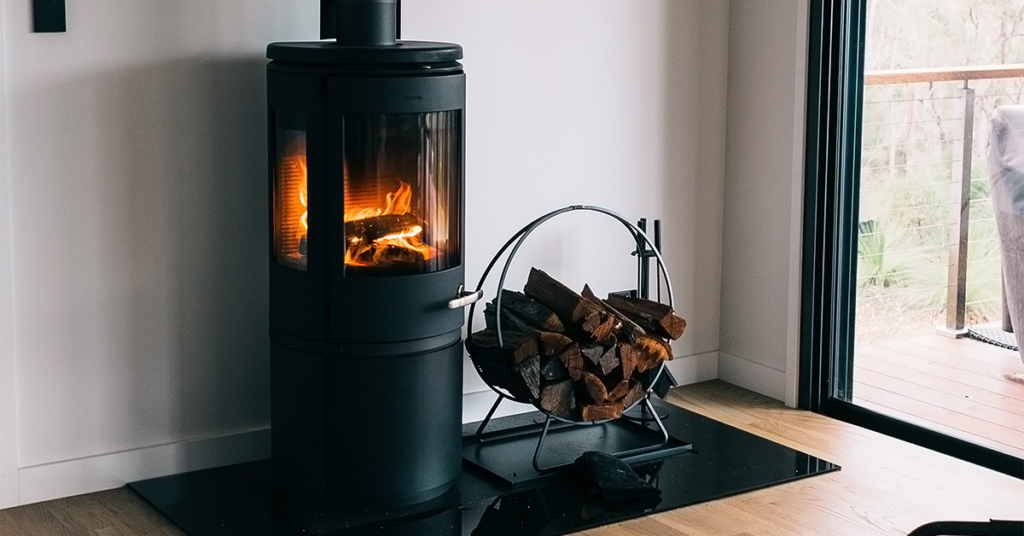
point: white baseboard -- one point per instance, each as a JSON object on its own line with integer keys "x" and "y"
{"x": 754, "y": 376}
{"x": 694, "y": 368}
{"x": 96, "y": 473}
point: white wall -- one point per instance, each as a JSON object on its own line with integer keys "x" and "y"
{"x": 612, "y": 103}
{"x": 8, "y": 414}
{"x": 137, "y": 207}
{"x": 137, "y": 204}
{"x": 763, "y": 196}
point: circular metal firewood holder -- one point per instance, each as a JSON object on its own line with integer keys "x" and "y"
{"x": 512, "y": 247}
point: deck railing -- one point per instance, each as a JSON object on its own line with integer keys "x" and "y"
{"x": 953, "y": 152}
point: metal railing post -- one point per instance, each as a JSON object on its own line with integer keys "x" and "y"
{"x": 956, "y": 291}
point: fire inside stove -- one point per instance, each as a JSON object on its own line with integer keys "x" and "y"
{"x": 292, "y": 210}
{"x": 389, "y": 235}
{"x": 400, "y": 193}
{"x": 400, "y": 200}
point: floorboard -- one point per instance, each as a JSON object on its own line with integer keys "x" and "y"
{"x": 886, "y": 487}
{"x": 956, "y": 386}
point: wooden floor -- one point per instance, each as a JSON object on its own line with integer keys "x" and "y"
{"x": 956, "y": 386}
{"x": 886, "y": 486}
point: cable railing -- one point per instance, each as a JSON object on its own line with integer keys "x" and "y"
{"x": 922, "y": 172}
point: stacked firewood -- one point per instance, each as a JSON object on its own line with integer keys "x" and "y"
{"x": 573, "y": 354}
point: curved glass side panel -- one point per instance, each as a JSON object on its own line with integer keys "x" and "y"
{"x": 402, "y": 174}
{"x": 291, "y": 219}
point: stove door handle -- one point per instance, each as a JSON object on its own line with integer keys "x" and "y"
{"x": 465, "y": 297}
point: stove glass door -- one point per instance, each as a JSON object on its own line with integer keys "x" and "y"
{"x": 291, "y": 218}
{"x": 402, "y": 178}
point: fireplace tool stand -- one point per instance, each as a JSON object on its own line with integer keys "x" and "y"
{"x": 645, "y": 250}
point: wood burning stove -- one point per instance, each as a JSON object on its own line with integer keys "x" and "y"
{"x": 366, "y": 262}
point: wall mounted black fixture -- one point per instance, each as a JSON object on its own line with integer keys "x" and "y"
{"x": 49, "y": 16}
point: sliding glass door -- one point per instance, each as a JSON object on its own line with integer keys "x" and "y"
{"x": 902, "y": 258}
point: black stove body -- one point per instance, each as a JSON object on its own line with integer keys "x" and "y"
{"x": 366, "y": 262}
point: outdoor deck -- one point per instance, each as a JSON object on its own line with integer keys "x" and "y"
{"x": 956, "y": 386}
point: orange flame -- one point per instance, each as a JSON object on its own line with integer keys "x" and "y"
{"x": 300, "y": 163}
{"x": 397, "y": 203}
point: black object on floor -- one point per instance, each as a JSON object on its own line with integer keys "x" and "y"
{"x": 614, "y": 480}
{"x": 240, "y": 500}
{"x": 994, "y": 336}
{"x": 993, "y": 527}
{"x": 507, "y": 451}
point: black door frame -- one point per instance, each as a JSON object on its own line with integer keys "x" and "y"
{"x": 835, "y": 72}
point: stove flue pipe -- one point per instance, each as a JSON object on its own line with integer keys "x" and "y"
{"x": 360, "y": 22}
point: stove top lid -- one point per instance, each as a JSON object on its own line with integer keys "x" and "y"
{"x": 328, "y": 52}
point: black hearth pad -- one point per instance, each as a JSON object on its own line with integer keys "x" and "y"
{"x": 239, "y": 500}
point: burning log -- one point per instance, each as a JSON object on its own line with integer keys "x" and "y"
{"x": 574, "y": 355}
{"x": 652, "y": 316}
{"x": 377, "y": 227}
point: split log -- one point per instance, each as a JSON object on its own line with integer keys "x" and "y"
{"x": 619, "y": 391}
{"x": 559, "y": 399}
{"x": 493, "y": 365}
{"x": 575, "y": 356}
{"x": 603, "y": 331}
{"x": 594, "y": 388}
{"x": 570, "y": 306}
{"x": 572, "y": 360}
{"x": 517, "y": 348}
{"x": 598, "y": 412}
{"x": 600, "y": 359}
{"x": 627, "y": 330}
{"x": 528, "y": 373}
{"x": 552, "y": 344}
{"x": 652, "y": 352}
{"x": 533, "y": 312}
{"x": 650, "y": 315}
{"x": 628, "y": 358}
{"x": 636, "y": 393}
{"x": 509, "y": 321}
{"x": 608, "y": 362}
{"x": 592, "y": 352}
{"x": 552, "y": 369}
